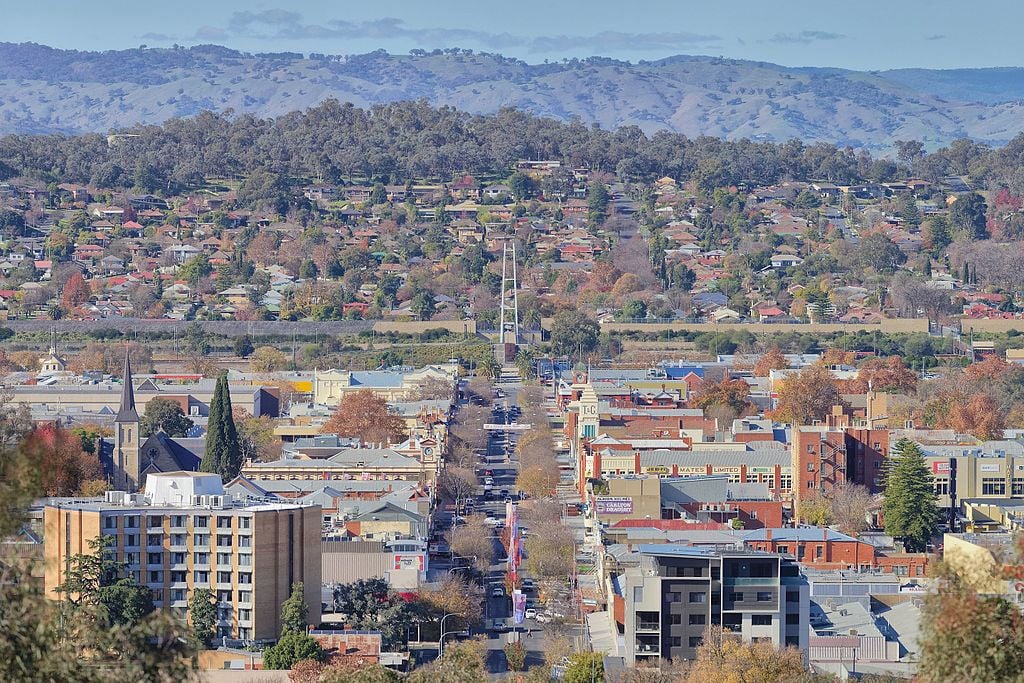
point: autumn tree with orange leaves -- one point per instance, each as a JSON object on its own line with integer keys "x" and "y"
{"x": 64, "y": 466}
{"x": 725, "y": 400}
{"x": 76, "y": 291}
{"x": 773, "y": 359}
{"x": 806, "y": 396}
{"x": 884, "y": 374}
{"x": 365, "y": 415}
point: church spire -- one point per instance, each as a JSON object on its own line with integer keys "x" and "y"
{"x": 127, "y": 412}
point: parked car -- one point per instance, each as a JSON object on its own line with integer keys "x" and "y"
{"x": 531, "y": 613}
{"x": 497, "y": 592}
{"x": 499, "y": 626}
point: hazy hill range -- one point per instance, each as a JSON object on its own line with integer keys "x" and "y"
{"x": 44, "y": 89}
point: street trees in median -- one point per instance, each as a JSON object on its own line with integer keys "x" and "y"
{"x": 551, "y": 554}
{"x": 472, "y": 539}
{"x": 456, "y": 484}
{"x": 910, "y": 511}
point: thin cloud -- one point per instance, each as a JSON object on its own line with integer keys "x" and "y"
{"x": 805, "y": 37}
{"x": 936, "y": 36}
{"x": 281, "y": 24}
{"x": 158, "y": 37}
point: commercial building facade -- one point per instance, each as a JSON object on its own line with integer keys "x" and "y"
{"x": 676, "y": 592}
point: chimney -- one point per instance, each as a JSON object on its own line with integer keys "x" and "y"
{"x": 768, "y": 534}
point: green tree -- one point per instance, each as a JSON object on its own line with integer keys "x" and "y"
{"x": 909, "y": 507}
{"x": 573, "y": 332}
{"x": 584, "y": 667}
{"x": 522, "y": 186}
{"x": 515, "y": 655}
{"x": 634, "y": 309}
{"x": 223, "y": 452}
{"x": 195, "y": 269}
{"x": 463, "y": 662}
{"x": 881, "y": 253}
{"x": 968, "y": 215}
{"x": 97, "y": 580}
{"x": 166, "y": 415}
{"x": 423, "y": 305}
{"x": 597, "y": 201}
{"x": 294, "y": 612}
{"x": 379, "y": 195}
{"x": 202, "y": 612}
{"x": 244, "y": 346}
{"x": 291, "y": 648}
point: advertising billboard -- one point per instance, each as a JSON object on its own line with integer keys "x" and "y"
{"x": 614, "y": 505}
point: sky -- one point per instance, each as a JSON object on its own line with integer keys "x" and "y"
{"x": 866, "y": 34}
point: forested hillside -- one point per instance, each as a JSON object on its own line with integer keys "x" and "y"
{"x": 336, "y": 142}
{"x": 44, "y": 89}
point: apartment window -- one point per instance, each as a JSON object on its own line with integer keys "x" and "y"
{"x": 224, "y": 595}
{"x": 245, "y": 522}
{"x": 761, "y": 619}
{"x": 223, "y": 522}
{"x": 178, "y": 520}
{"x": 154, "y": 558}
{"x": 177, "y": 594}
{"x": 810, "y": 467}
{"x": 792, "y": 641}
{"x": 131, "y": 521}
{"x": 647, "y": 621}
{"x": 156, "y": 577}
{"x": 765, "y": 596}
{"x": 793, "y": 596}
{"x": 154, "y": 522}
{"x": 224, "y": 540}
{"x": 735, "y": 597}
{"x": 223, "y": 558}
{"x": 695, "y": 641}
{"x": 786, "y": 482}
{"x": 716, "y": 573}
{"x": 200, "y": 522}
{"x": 201, "y": 577}
{"x": 792, "y": 619}
{"x": 110, "y": 523}
{"x": 245, "y": 615}
{"x": 201, "y": 539}
{"x": 131, "y": 558}
{"x": 941, "y": 487}
{"x": 245, "y": 578}
{"x": 154, "y": 539}
{"x": 698, "y": 619}
{"x": 675, "y": 619}
{"x": 244, "y": 542}
{"x": 245, "y": 560}
{"x": 131, "y": 539}
{"x": 245, "y": 633}
{"x": 179, "y": 577}
{"x": 696, "y": 598}
{"x": 810, "y": 484}
{"x": 990, "y": 486}
{"x": 178, "y": 558}
{"x": 671, "y": 597}
{"x": 810, "y": 448}
{"x": 201, "y": 558}
{"x": 223, "y": 577}
{"x": 179, "y": 539}
{"x": 877, "y": 445}
{"x": 245, "y": 597}
{"x": 675, "y": 641}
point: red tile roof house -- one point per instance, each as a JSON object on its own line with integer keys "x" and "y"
{"x": 770, "y": 313}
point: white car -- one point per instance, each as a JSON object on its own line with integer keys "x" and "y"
{"x": 542, "y": 618}
{"x": 493, "y": 522}
{"x": 531, "y": 613}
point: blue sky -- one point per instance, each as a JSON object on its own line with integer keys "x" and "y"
{"x": 867, "y": 34}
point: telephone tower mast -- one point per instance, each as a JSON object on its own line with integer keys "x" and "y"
{"x": 509, "y": 330}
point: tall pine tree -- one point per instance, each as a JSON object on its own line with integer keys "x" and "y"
{"x": 909, "y": 508}
{"x": 223, "y": 453}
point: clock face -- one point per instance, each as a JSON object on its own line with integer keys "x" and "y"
{"x": 428, "y": 451}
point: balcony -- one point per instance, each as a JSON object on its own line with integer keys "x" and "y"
{"x": 751, "y": 581}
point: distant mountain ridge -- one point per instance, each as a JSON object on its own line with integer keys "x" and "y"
{"x": 48, "y": 90}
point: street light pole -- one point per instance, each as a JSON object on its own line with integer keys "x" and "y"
{"x": 440, "y": 641}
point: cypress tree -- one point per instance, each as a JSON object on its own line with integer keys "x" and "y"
{"x": 231, "y": 462}
{"x": 966, "y": 276}
{"x": 213, "y": 457}
{"x": 909, "y": 508}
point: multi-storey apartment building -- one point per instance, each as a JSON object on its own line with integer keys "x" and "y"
{"x": 676, "y": 592}
{"x": 184, "y": 533}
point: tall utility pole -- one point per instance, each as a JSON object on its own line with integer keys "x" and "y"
{"x": 509, "y": 330}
